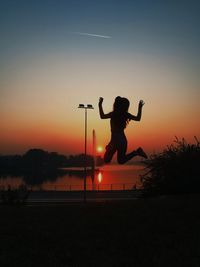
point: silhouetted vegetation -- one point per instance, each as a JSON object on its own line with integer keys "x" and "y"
{"x": 11, "y": 196}
{"x": 38, "y": 159}
{"x": 37, "y": 165}
{"x": 175, "y": 170}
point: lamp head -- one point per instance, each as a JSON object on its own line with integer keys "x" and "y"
{"x": 81, "y": 106}
{"x": 89, "y": 106}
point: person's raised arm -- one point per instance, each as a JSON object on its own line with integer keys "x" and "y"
{"x": 139, "y": 114}
{"x": 101, "y": 113}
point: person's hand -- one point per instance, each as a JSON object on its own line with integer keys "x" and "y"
{"x": 100, "y": 100}
{"x": 141, "y": 103}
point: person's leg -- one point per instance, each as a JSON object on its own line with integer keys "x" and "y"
{"x": 141, "y": 153}
{"x": 122, "y": 157}
{"x": 110, "y": 151}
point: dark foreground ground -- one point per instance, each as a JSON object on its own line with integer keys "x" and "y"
{"x": 145, "y": 232}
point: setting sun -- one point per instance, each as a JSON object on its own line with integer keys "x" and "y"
{"x": 99, "y": 149}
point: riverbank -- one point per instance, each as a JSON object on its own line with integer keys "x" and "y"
{"x": 78, "y": 196}
{"x": 144, "y": 232}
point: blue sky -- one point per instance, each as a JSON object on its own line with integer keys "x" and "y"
{"x": 166, "y": 25}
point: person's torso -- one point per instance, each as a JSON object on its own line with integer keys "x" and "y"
{"x": 118, "y": 122}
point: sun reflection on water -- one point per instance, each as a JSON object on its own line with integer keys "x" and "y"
{"x": 100, "y": 177}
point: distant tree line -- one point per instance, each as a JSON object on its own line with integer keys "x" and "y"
{"x": 40, "y": 159}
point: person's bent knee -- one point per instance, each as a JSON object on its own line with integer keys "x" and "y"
{"x": 121, "y": 161}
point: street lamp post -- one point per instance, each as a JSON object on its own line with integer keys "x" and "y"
{"x": 86, "y": 107}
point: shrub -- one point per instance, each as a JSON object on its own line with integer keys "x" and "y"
{"x": 15, "y": 196}
{"x": 175, "y": 170}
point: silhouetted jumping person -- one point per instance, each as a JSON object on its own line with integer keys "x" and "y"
{"x": 119, "y": 118}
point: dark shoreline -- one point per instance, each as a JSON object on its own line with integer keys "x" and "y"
{"x": 61, "y": 197}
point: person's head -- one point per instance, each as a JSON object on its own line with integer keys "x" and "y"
{"x": 121, "y": 105}
{"x": 120, "y": 109}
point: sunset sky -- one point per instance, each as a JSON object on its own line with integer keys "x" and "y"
{"x": 57, "y": 54}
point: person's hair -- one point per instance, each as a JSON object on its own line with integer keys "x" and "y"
{"x": 120, "y": 110}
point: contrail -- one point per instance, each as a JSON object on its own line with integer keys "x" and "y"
{"x": 93, "y": 35}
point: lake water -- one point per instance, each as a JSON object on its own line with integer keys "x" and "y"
{"x": 108, "y": 177}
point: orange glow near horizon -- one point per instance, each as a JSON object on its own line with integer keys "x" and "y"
{"x": 43, "y": 113}
{"x": 99, "y": 149}
{"x": 18, "y": 137}
{"x": 67, "y": 136}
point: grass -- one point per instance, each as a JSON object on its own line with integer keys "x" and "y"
{"x": 149, "y": 232}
